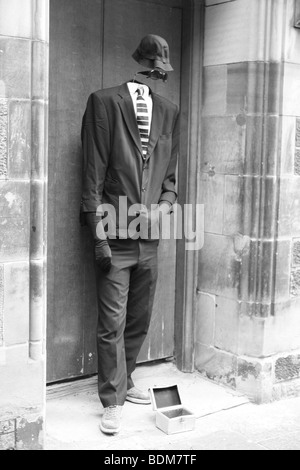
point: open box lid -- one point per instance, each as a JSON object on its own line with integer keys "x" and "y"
{"x": 165, "y": 397}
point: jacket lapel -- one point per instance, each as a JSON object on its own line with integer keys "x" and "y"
{"x": 127, "y": 109}
{"x": 157, "y": 122}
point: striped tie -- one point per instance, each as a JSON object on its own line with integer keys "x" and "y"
{"x": 143, "y": 120}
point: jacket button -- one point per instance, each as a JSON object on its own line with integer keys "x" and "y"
{"x": 144, "y": 189}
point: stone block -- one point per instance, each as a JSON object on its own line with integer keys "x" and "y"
{"x": 3, "y": 137}
{"x": 289, "y": 207}
{"x": 13, "y": 355}
{"x": 253, "y": 150}
{"x": 7, "y": 441}
{"x": 227, "y": 324}
{"x": 226, "y": 34}
{"x": 251, "y": 206}
{"x": 291, "y": 90}
{"x": 223, "y": 145}
{"x": 216, "y": 365}
{"x": 39, "y": 70}
{"x": 212, "y": 196}
{"x": 257, "y": 272}
{"x": 29, "y": 433}
{"x": 298, "y": 132}
{"x": 205, "y": 321}
{"x": 296, "y": 252}
{"x": 273, "y": 79}
{"x": 235, "y": 32}
{"x": 16, "y": 303}
{"x": 15, "y": 18}
{"x": 292, "y": 42}
{"x": 272, "y": 135}
{"x": 282, "y": 331}
{"x": 262, "y": 145}
{"x": 219, "y": 267}
{"x": 288, "y": 145}
{"x": 255, "y": 378}
{"x": 214, "y": 90}
{"x": 14, "y": 199}
{"x": 297, "y": 163}
{"x": 253, "y": 88}
{"x": 295, "y": 283}
{"x": 256, "y": 86}
{"x": 257, "y": 310}
{"x": 38, "y": 142}
{"x": 14, "y": 220}
{"x": 251, "y": 336}
{"x": 7, "y": 427}
{"x": 237, "y": 88}
{"x": 19, "y": 152}
{"x": 242, "y": 245}
{"x": 203, "y": 355}
{"x": 15, "y": 72}
{"x": 283, "y": 262}
{"x": 234, "y": 205}
{"x": 286, "y": 390}
{"x": 262, "y": 271}
{"x": 29, "y": 393}
{"x": 14, "y": 239}
{"x": 287, "y": 368}
{"x": 283, "y": 270}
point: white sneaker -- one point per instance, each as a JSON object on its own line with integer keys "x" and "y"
{"x": 111, "y": 420}
{"x": 137, "y": 396}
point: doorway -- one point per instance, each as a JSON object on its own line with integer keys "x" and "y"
{"x": 91, "y": 43}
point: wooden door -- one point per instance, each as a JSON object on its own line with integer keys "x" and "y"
{"x": 91, "y": 43}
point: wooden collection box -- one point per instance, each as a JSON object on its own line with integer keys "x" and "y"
{"x": 171, "y": 416}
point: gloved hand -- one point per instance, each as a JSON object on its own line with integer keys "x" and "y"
{"x": 103, "y": 254}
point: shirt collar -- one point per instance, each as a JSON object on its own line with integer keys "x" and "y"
{"x": 133, "y": 86}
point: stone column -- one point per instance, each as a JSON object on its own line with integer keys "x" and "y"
{"x": 23, "y": 176}
{"x": 248, "y": 329}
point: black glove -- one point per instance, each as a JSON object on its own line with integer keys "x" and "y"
{"x": 103, "y": 254}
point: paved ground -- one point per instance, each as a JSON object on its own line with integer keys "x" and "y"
{"x": 225, "y": 419}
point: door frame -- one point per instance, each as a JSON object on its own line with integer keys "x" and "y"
{"x": 187, "y": 262}
{"x": 188, "y": 181}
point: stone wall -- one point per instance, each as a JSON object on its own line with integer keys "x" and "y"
{"x": 249, "y": 276}
{"x": 23, "y": 151}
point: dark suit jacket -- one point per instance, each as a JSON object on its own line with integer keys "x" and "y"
{"x": 112, "y": 152}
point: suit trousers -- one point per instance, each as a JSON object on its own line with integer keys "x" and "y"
{"x": 125, "y": 302}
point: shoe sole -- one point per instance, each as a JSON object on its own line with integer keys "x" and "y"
{"x": 109, "y": 431}
{"x": 138, "y": 401}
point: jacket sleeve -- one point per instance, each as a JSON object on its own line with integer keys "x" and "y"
{"x": 95, "y": 138}
{"x": 169, "y": 193}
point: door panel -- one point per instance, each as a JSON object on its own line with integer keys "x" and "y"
{"x": 91, "y": 43}
{"x": 75, "y": 71}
